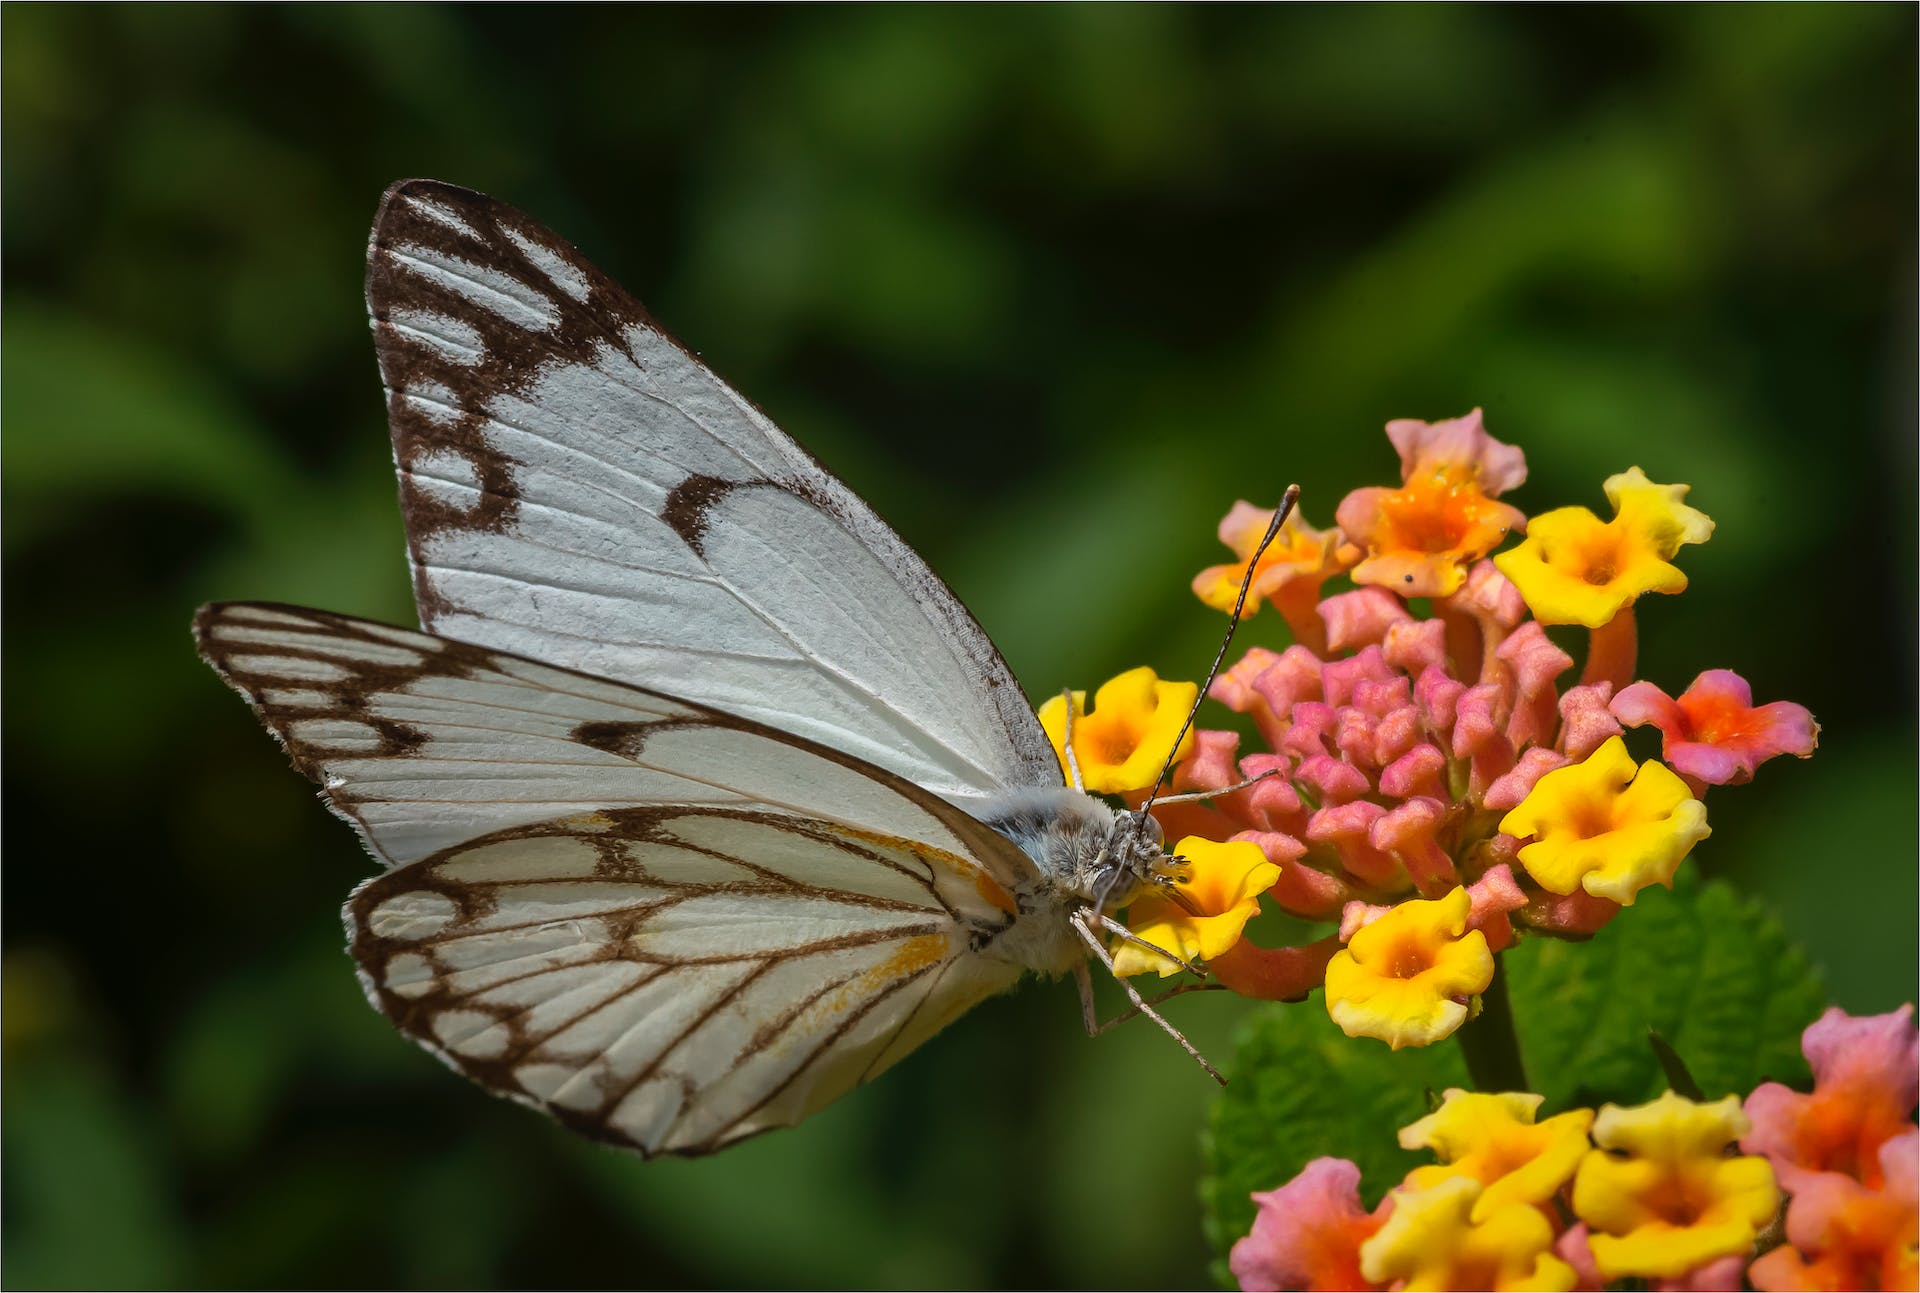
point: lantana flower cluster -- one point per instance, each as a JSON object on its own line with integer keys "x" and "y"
{"x": 1431, "y": 775}
{"x": 1672, "y": 1194}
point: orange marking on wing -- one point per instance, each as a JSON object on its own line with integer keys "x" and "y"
{"x": 990, "y": 890}
{"x": 914, "y": 954}
{"x": 983, "y": 882}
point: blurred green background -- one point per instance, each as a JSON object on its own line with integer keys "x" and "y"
{"x": 1051, "y": 287}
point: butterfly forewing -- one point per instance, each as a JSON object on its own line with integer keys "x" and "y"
{"x": 669, "y": 926}
{"x": 580, "y": 489}
{"x": 424, "y": 743}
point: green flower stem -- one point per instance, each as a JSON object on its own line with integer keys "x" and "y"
{"x": 1489, "y": 1043}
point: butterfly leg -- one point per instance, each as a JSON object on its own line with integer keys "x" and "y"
{"x": 1114, "y": 927}
{"x": 1090, "y": 1016}
{"x": 1192, "y": 795}
{"x": 1092, "y": 940}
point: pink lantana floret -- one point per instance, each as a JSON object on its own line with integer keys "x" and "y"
{"x": 1461, "y": 441}
{"x": 1713, "y": 732}
{"x": 1842, "y": 1235}
{"x": 1536, "y": 664}
{"x": 1586, "y": 720}
{"x": 1866, "y": 1076}
{"x": 1509, "y": 790}
{"x": 1361, "y": 618}
{"x": 1307, "y": 1234}
{"x": 1382, "y": 765}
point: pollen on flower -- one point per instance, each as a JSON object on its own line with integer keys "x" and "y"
{"x": 1221, "y": 894}
{"x": 1494, "y": 1139}
{"x": 1124, "y": 740}
{"x": 1433, "y": 1240}
{"x": 1607, "y": 827}
{"x": 1408, "y": 977}
{"x": 1660, "y": 1193}
{"x": 1419, "y": 539}
{"x": 1574, "y": 568}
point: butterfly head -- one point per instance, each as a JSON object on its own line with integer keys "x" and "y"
{"x": 1132, "y": 862}
{"x": 1089, "y": 854}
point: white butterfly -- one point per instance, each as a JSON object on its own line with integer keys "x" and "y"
{"x": 701, "y": 800}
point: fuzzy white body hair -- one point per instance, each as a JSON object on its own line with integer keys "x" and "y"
{"x": 1079, "y": 844}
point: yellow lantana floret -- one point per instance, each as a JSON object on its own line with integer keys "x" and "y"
{"x": 1604, "y": 826}
{"x": 1575, "y": 568}
{"x": 1123, "y": 742}
{"x": 1436, "y": 1239}
{"x": 1410, "y": 976}
{"x": 1660, "y": 1193}
{"x": 1220, "y": 895}
{"x": 1494, "y": 1139}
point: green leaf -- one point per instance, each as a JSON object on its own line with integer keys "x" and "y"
{"x": 1708, "y": 969}
{"x": 1713, "y": 973}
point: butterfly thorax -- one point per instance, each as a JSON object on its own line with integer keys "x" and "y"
{"x": 1085, "y": 852}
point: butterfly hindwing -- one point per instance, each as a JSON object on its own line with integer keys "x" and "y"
{"x": 580, "y": 489}
{"x": 668, "y": 926}
{"x": 662, "y": 980}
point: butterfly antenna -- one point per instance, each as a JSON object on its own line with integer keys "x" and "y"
{"x": 1280, "y": 515}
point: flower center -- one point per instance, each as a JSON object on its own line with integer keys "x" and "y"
{"x": 1600, "y": 562}
{"x": 1115, "y": 743}
{"x": 1408, "y": 960}
{"x": 1509, "y": 1156}
{"x": 1717, "y": 724}
{"x": 1434, "y": 514}
{"x": 1474, "y": 1272}
{"x": 1676, "y": 1205}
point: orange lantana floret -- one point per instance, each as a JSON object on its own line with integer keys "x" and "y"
{"x": 1866, "y": 1077}
{"x": 1419, "y": 539}
{"x": 1289, "y": 573}
{"x": 1842, "y": 1235}
{"x": 1307, "y": 1234}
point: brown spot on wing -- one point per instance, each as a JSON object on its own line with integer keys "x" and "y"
{"x": 512, "y": 354}
{"x": 688, "y": 506}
